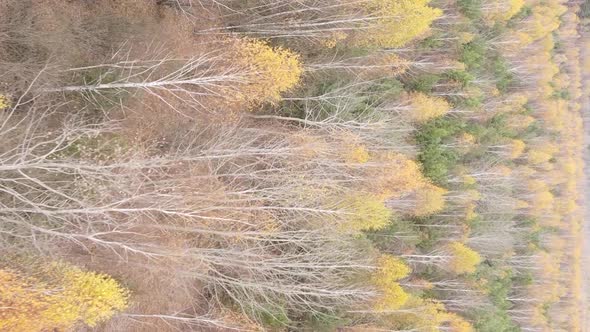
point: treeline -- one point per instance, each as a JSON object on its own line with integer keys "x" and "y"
{"x": 291, "y": 165}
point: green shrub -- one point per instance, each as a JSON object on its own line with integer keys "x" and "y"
{"x": 423, "y": 83}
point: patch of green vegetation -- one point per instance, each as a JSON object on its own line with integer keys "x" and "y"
{"x": 470, "y": 8}
{"x": 430, "y": 237}
{"x": 431, "y": 43}
{"x": 486, "y": 320}
{"x": 321, "y": 322}
{"x": 473, "y": 54}
{"x": 423, "y": 83}
{"x": 397, "y": 233}
{"x": 504, "y": 78}
{"x": 273, "y": 317}
{"x": 460, "y": 77}
{"x": 438, "y": 159}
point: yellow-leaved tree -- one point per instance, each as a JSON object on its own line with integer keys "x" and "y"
{"x": 516, "y": 148}
{"x": 397, "y": 175}
{"x": 366, "y": 212}
{"x": 4, "y": 102}
{"x": 274, "y": 70}
{"x": 391, "y": 268}
{"x": 398, "y": 21}
{"x": 424, "y": 107}
{"x": 428, "y": 200}
{"x": 417, "y": 315}
{"x": 389, "y": 271}
{"x": 539, "y": 156}
{"x": 457, "y": 323}
{"x": 60, "y": 297}
{"x": 463, "y": 259}
{"x": 357, "y": 154}
{"x": 502, "y": 10}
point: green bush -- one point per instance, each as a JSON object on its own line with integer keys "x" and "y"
{"x": 459, "y": 76}
{"x": 493, "y": 321}
{"x": 473, "y": 54}
{"x": 470, "y": 8}
{"x": 504, "y": 78}
{"x": 437, "y": 159}
{"x": 423, "y": 83}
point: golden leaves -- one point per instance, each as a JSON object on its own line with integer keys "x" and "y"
{"x": 424, "y": 107}
{"x": 64, "y": 296}
{"x": 390, "y": 270}
{"x": 463, "y": 258}
{"x": 400, "y": 21}
{"x": 4, "y": 102}
{"x": 273, "y": 70}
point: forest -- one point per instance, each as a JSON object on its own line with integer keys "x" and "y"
{"x": 293, "y": 165}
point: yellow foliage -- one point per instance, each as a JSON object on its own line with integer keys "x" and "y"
{"x": 458, "y": 324}
{"x": 525, "y": 171}
{"x": 4, "y": 102}
{"x": 23, "y": 302}
{"x": 396, "y": 176}
{"x": 520, "y": 204}
{"x": 69, "y": 295}
{"x": 334, "y": 39}
{"x": 464, "y": 259}
{"x": 472, "y": 195}
{"x": 543, "y": 200}
{"x": 469, "y": 180}
{"x": 520, "y": 122}
{"x": 569, "y": 166}
{"x": 502, "y": 10}
{"x": 275, "y": 70}
{"x": 538, "y": 157}
{"x": 466, "y": 37}
{"x": 367, "y": 212}
{"x": 516, "y": 148}
{"x": 418, "y": 315}
{"x": 537, "y": 185}
{"x": 91, "y": 296}
{"x": 429, "y": 200}
{"x": 357, "y": 154}
{"x": 515, "y": 7}
{"x": 566, "y": 207}
{"x": 392, "y": 297}
{"x": 424, "y": 107}
{"x": 390, "y": 268}
{"x": 400, "y": 21}
{"x": 467, "y": 139}
{"x": 514, "y": 102}
{"x": 544, "y": 20}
